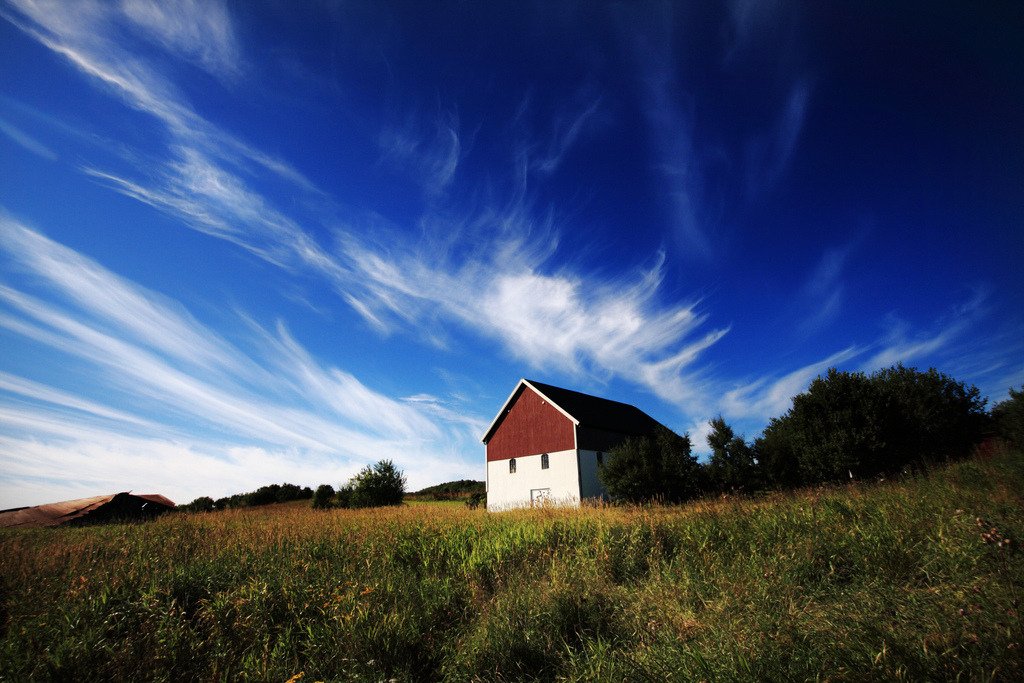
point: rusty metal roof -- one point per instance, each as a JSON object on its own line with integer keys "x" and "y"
{"x": 55, "y": 514}
{"x": 155, "y": 498}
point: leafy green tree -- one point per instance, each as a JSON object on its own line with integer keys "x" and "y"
{"x": 848, "y": 424}
{"x": 776, "y": 451}
{"x": 732, "y": 466}
{"x": 829, "y": 427}
{"x": 1008, "y": 416}
{"x": 657, "y": 467}
{"x": 343, "y": 498}
{"x": 323, "y": 497}
{"x": 378, "y": 485}
{"x": 926, "y": 417}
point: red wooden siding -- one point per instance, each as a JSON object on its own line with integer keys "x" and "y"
{"x": 531, "y": 426}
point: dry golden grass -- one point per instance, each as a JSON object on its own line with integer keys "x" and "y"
{"x": 874, "y": 581}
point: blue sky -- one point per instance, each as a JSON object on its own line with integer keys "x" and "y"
{"x": 256, "y": 242}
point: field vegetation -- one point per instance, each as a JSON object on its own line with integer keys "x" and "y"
{"x": 917, "y": 578}
{"x": 461, "y": 490}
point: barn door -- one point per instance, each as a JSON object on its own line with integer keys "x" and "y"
{"x": 538, "y": 496}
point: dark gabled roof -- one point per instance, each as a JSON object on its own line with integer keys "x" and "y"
{"x": 585, "y": 410}
{"x": 597, "y": 412}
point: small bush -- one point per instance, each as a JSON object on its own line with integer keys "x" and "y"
{"x": 323, "y": 497}
{"x": 200, "y": 504}
{"x": 657, "y": 467}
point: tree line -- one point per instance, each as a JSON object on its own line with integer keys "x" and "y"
{"x": 264, "y": 495}
{"x": 847, "y": 425}
{"x": 377, "y": 485}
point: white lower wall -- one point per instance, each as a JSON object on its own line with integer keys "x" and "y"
{"x": 561, "y": 480}
{"x": 590, "y": 485}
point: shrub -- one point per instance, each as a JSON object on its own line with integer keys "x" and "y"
{"x": 1008, "y": 416}
{"x": 343, "y": 498}
{"x": 732, "y": 466}
{"x": 323, "y": 497}
{"x": 656, "y": 467}
{"x": 200, "y": 504}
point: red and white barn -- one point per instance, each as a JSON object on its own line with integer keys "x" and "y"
{"x": 546, "y": 443}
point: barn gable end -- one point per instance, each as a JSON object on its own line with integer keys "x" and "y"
{"x": 528, "y": 425}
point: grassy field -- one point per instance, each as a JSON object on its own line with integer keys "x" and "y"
{"x": 898, "y": 580}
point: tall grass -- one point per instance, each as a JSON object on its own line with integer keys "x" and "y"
{"x": 893, "y": 581}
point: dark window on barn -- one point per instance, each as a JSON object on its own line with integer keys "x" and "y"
{"x": 544, "y": 464}
{"x": 600, "y": 458}
{"x": 512, "y": 466}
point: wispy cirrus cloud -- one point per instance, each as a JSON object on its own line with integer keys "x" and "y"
{"x": 199, "y": 30}
{"x": 86, "y": 34}
{"x": 769, "y": 154}
{"x": 27, "y": 141}
{"x": 668, "y": 108}
{"x": 568, "y": 129}
{"x": 272, "y": 399}
{"x": 824, "y": 290}
{"x": 765, "y": 397}
{"x": 903, "y": 344}
{"x": 770, "y": 397}
{"x": 430, "y": 153}
{"x": 558, "y": 320}
{"x": 500, "y": 288}
{"x": 208, "y": 197}
{"x": 540, "y": 149}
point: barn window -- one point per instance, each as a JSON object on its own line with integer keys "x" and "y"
{"x": 544, "y": 464}
{"x": 600, "y": 458}
{"x": 512, "y": 466}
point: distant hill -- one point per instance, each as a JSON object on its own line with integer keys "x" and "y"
{"x": 450, "y": 490}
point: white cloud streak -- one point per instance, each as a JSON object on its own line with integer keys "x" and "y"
{"x": 432, "y": 156}
{"x": 670, "y": 124}
{"x": 27, "y": 141}
{"x": 87, "y": 35}
{"x": 768, "y": 155}
{"x": 501, "y": 290}
{"x": 199, "y": 30}
{"x": 824, "y": 290}
{"x": 567, "y": 131}
{"x": 766, "y": 398}
{"x": 552, "y": 320}
{"x": 150, "y": 357}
